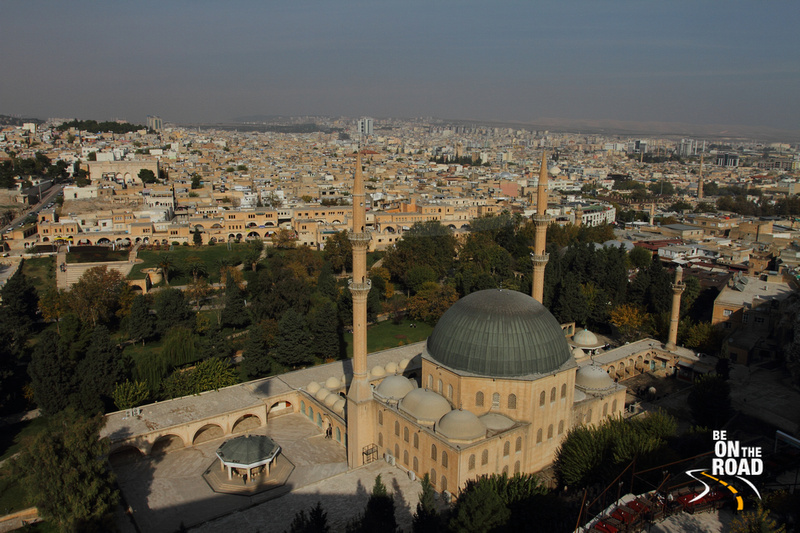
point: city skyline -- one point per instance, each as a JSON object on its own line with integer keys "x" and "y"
{"x": 691, "y": 63}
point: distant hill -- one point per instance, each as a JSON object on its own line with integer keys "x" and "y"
{"x": 6, "y": 120}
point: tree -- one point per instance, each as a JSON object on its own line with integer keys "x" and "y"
{"x": 211, "y": 374}
{"x": 316, "y": 521}
{"x": 171, "y": 309}
{"x": 430, "y": 303}
{"x": 379, "y": 513}
{"x": 196, "y": 181}
{"x": 98, "y": 372}
{"x": 147, "y": 176}
{"x": 20, "y": 306}
{"x": 197, "y": 237}
{"x": 339, "y": 251}
{"x": 757, "y": 521}
{"x": 640, "y": 257}
{"x": 258, "y": 361}
{"x": 630, "y": 319}
{"x": 180, "y": 347}
{"x": 292, "y": 347}
{"x": 326, "y": 282}
{"x": 427, "y": 243}
{"x": 710, "y": 401}
{"x": 52, "y": 373}
{"x": 324, "y": 328}
{"x": 67, "y": 476}
{"x": 141, "y": 324}
{"x": 569, "y": 302}
{"x": 479, "y": 508}
{"x": 96, "y": 294}
{"x": 284, "y": 238}
{"x": 234, "y": 313}
{"x": 426, "y": 519}
{"x": 130, "y": 394}
{"x": 165, "y": 263}
{"x": 253, "y": 254}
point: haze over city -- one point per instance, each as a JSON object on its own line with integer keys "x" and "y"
{"x": 676, "y": 62}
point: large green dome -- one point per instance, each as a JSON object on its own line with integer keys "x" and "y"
{"x": 499, "y": 333}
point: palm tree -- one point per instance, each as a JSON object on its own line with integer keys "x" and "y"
{"x": 196, "y": 267}
{"x": 165, "y": 263}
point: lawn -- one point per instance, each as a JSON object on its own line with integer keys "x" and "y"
{"x": 95, "y": 254}
{"x": 387, "y": 334}
{"x": 211, "y": 256}
{"x": 13, "y": 497}
{"x": 41, "y": 271}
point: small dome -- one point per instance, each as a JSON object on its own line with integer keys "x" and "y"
{"x": 586, "y": 339}
{"x": 403, "y": 364}
{"x": 424, "y": 405}
{"x": 554, "y": 170}
{"x": 593, "y": 378}
{"x": 579, "y": 396}
{"x": 332, "y": 383}
{"x": 496, "y": 421}
{"x": 577, "y": 353}
{"x": 391, "y": 367}
{"x": 461, "y": 425}
{"x": 322, "y": 394}
{"x": 312, "y": 387}
{"x": 378, "y": 372}
{"x": 505, "y": 175}
{"x": 394, "y": 387}
{"x": 339, "y": 405}
{"x": 331, "y": 399}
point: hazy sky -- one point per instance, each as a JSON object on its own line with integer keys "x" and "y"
{"x": 695, "y": 61}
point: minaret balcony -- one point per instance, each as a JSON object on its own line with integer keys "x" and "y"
{"x": 360, "y": 237}
{"x": 541, "y": 219}
{"x": 364, "y": 286}
{"x": 540, "y": 259}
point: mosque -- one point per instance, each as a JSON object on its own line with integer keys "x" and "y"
{"x": 495, "y": 388}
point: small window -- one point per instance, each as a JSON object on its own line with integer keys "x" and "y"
{"x": 589, "y": 416}
{"x": 539, "y": 436}
{"x": 550, "y": 431}
{"x": 443, "y": 487}
{"x": 433, "y": 452}
{"x": 433, "y": 476}
{"x": 440, "y": 386}
{"x": 444, "y": 459}
{"x": 485, "y": 458}
{"x": 496, "y": 400}
{"x": 396, "y": 451}
{"x": 416, "y": 441}
{"x": 561, "y": 427}
{"x": 506, "y": 449}
{"x": 518, "y": 445}
{"x": 552, "y": 395}
{"x": 405, "y": 457}
{"x": 450, "y": 392}
{"x": 416, "y": 464}
{"x": 614, "y": 407}
{"x": 516, "y": 467}
{"x": 505, "y": 470}
{"x": 405, "y": 434}
{"x": 512, "y": 401}
{"x": 397, "y": 429}
{"x": 430, "y": 381}
{"x": 563, "y": 391}
{"x": 380, "y": 418}
{"x": 471, "y": 462}
{"x": 541, "y": 399}
{"x": 380, "y": 439}
{"x": 605, "y": 409}
{"x": 479, "y": 399}
{"x": 727, "y": 312}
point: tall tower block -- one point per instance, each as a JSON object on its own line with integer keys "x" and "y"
{"x": 540, "y": 221}
{"x": 359, "y": 396}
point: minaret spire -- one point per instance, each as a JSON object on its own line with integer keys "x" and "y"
{"x": 700, "y": 180}
{"x": 359, "y": 395}
{"x": 540, "y": 220}
{"x": 675, "y": 312}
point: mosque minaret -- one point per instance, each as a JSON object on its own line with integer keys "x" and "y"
{"x": 541, "y": 219}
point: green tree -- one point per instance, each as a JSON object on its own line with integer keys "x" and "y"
{"x": 211, "y": 374}
{"x": 165, "y": 263}
{"x": 379, "y": 513}
{"x": 52, "y": 374}
{"x": 20, "y": 305}
{"x": 67, "y": 476}
{"x": 417, "y": 276}
{"x": 147, "y": 176}
{"x": 426, "y": 519}
{"x": 197, "y": 237}
{"x": 258, "y": 361}
{"x": 326, "y": 283}
{"x": 710, "y": 401}
{"x": 181, "y": 346}
{"x": 427, "y": 243}
{"x": 430, "y": 303}
{"x": 96, "y": 295}
{"x": 292, "y": 347}
{"x": 99, "y": 371}
{"x": 171, "y": 309}
{"x": 234, "y": 313}
{"x": 640, "y": 257}
{"x": 130, "y": 394}
{"x": 339, "y": 251}
{"x": 479, "y": 508}
{"x": 324, "y": 328}
{"x": 569, "y": 302}
{"x": 316, "y": 521}
{"x": 141, "y": 323}
{"x": 196, "y": 181}
{"x": 757, "y": 521}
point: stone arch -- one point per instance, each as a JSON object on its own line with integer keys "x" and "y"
{"x": 103, "y": 240}
{"x": 390, "y": 230}
{"x": 542, "y": 397}
{"x": 405, "y": 457}
{"x": 207, "y": 433}
{"x": 253, "y": 235}
{"x": 280, "y": 408}
{"x": 125, "y": 455}
{"x": 516, "y": 467}
{"x": 198, "y": 227}
{"x": 612, "y": 371}
{"x": 452, "y": 227}
{"x": 45, "y": 239}
{"x": 246, "y": 422}
{"x": 251, "y": 225}
{"x": 416, "y": 464}
{"x": 621, "y": 370}
{"x": 166, "y": 443}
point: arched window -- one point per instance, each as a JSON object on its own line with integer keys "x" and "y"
{"x": 563, "y": 391}
{"x": 614, "y": 407}
{"x": 516, "y": 467}
{"x": 430, "y": 381}
{"x": 433, "y": 452}
{"x": 441, "y": 385}
{"x": 605, "y": 409}
{"x": 310, "y": 413}
{"x": 539, "y": 436}
{"x": 433, "y": 476}
{"x": 560, "y": 427}
{"x": 589, "y": 416}
{"x": 396, "y": 451}
{"x": 512, "y": 401}
{"x": 380, "y": 418}
{"x": 416, "y": 464}
{"x": 485, "y": 458}
{"x": 450, "y": 392}
{"x": 405, "y": 457}
{"x": 302, "y": 407}
{"x": 518, "y": 445}
{"x": 416, "y": 440}
{"x": 552, "y": 395}
{"x": 444, "y": 459}
{"x": 479, "y": 399}
{"x": 496, "y": 399}
{"x": 471, "y": 463}
{"x": 444, "y": 484}
{"x": 380, "y": 439}
{"x": 396, "y": 428}
{"x": 506, "y": 449}
{"x": 319, "y": 420}
{"x": 550, "y": 431}
{"x": 541, "y": 399}
{"x": 505, "y": 470}
{"x": 405, "y": 434}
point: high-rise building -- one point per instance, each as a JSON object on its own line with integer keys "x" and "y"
{"x": 365, "y": 126}
{"x": 154, "y": 123}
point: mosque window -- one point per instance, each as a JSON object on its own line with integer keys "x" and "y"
{"x": 450, "y": 392}
{"x": 416, "y": 440}
{"x": 479, "y": 399}
{"x": 433, "y": 476}
{"x": 541, "y": 399}
{"x": 539, "y": 436}
{"x": 563, "y": 391}
{"x": 405, "y": 434}
{"x": 550, "y": 431}
{"x": 518, "y": 445}
{"x": 485, "y": 458}
{"x": 405, "y": 457}
{"x": 433, "y": 452}
{"x": 516, "y": 467}
{"x": 397, "y": 429}
{"x": 444, "y": 483}
{"x": 605, "y": 409}
{"x": 310, "y": 413}
{"x": 496, "y": 399}
{"x": 614, "y": 407}
{"x": 444, "y": 459}
{"x": 471, "y": 463}
{"x": 396, "y": 451}
{"x": 416, "y": 464}
{"x": 319, "y": 420}
{"x": 380, "y": 418}
{"x": 338, "y": 435}
{"x": 303, "y": 407}
{"x": 380, "y": 439}
{"x": 506, "y": 449}
{"x": 589, "y": 416}
{"x": 430, "y": 381}
{"x": 512, "y": 401}
{"x": 505, "y": 470}
{"x": 552, "y": 395}
{"x": 440, "y": 386}
{"x": 561, "y": 427}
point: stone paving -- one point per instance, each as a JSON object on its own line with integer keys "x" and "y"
{"x": 169, "y": 490}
